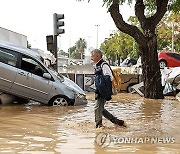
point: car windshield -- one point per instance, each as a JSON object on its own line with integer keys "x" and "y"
{"x": 59, "y": 76}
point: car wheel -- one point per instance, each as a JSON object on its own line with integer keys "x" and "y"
{"x": 59, "y": 101}
{"x": 129, "y": 89}
{"x": 162, "y": 64}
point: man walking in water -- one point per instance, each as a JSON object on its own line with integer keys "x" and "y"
{"x": 102, "y": 68}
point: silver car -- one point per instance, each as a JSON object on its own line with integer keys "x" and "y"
{"x": 23, "y": 74}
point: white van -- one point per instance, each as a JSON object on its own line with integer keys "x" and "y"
{"x": 23, "y": 74}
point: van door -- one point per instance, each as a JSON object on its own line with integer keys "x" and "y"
{"x": 8, "y": 70}
{"x": 29, "y": 81}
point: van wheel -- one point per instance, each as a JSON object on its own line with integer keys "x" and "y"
{"x": 59, "y": 101}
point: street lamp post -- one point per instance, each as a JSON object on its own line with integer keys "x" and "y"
{"x": 97, "y": 36}
{"x": 172, "y": 36}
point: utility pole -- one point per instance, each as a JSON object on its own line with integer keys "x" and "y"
{"x": 69, "y": 45}
{"x": 172, "y": 36}
{"x": 97, "y": 36}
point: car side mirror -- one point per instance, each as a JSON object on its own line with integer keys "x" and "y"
{"x": 47, "y": 76}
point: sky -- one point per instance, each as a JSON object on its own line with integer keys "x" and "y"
{"x": 34, "y": 18}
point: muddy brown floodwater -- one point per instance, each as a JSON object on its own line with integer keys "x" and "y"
{"x": 153, "y": 127}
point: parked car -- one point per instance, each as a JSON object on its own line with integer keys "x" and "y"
{"x": 128, "y": 62}
{"x": 23, "y": 74}
{"x": 169, "y": 59}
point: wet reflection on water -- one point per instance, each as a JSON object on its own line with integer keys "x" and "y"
{"x": 34, "y": 128}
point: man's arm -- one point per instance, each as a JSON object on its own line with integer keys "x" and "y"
{"x": 107, "y": 71}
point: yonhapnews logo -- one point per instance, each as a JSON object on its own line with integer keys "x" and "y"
{"x": 105, "y": 139}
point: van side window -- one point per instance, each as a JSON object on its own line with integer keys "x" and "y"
{"x": 30, "y": 65}
{"x": 8, "y": 57}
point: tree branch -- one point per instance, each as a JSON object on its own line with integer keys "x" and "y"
{"x": 145, "y": 23}
{"x": 161, "y": 10}
{"x": 139, "y": 10}
{"x": 122, "y": 25}
{"x": 149, "y": 24}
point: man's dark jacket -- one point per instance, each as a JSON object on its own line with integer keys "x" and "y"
{"x": 103, "y": 82}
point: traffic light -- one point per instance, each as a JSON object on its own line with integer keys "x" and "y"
{"x": 49, "y": 40}
{"x": 58, "y": 23}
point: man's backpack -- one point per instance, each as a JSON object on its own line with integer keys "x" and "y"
{"x": 116, "y": 82}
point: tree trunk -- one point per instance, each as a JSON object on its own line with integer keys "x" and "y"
{"x": 147, "y": 41}
{"x": 150, "y": 69}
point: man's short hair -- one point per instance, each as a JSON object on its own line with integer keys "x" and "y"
{"x": 96, "y": 51}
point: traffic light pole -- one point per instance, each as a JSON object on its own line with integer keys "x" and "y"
{"x": 57, "y": 24}
{"x": 55, "y": 52}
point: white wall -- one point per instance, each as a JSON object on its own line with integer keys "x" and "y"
{"x": 13, "y": 37}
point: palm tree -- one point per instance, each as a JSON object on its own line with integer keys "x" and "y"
{"x": 81, "y": 45}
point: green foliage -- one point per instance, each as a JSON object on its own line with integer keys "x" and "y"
{"x": 121, "y": 2}
{"x": 150, "y": 5}
{"x": 74, "y": 53}
{"x": 109, "y": 2}
{"x": 71, "y": 50}
{"x": 119, "y": 45}
{"x": 78, "y": 50}
{"x": 61, "y": 52}
{"x": 164, "y": 32}
{"x": 175, "y": 6}
{"x": 81, "y": 45}
{"x": 133, "y": 20}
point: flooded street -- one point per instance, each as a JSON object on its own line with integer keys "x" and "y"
{"x": 153, "y": 127}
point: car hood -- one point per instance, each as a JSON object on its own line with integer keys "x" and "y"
{"x": 69, "y": 83}
{"x": 72, "y": 85}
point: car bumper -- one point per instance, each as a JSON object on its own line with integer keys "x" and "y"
{"x": 80, "y": 100}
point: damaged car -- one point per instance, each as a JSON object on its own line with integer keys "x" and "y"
{"x": 23, "y": 74}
